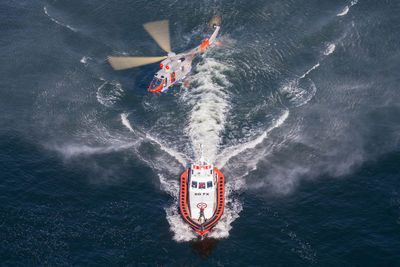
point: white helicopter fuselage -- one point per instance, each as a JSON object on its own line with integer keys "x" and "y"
{"x": 175, "y": 67}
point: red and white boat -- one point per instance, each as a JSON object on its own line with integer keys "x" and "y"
{"x": 202, "y": 196}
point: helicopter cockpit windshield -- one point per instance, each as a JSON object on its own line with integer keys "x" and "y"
{"x": 156, "y": 84}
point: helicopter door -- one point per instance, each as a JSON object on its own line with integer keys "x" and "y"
{"x": 172, "y": 77}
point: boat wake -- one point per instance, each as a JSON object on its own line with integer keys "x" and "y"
{"x": 208, "y": 99}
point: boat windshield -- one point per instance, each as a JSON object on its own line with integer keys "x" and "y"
{"x": 155, "y": 83}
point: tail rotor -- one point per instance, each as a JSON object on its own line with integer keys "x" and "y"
{"x": 215, "y": 21}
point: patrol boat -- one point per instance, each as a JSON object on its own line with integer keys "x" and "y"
{"x": 202, "y": 196}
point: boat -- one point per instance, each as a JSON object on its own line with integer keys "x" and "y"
{"x": 202, "y": 196}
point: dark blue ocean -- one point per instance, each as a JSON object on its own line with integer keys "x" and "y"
{"x": 299, "y": 107}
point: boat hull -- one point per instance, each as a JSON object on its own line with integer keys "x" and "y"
{"x": 220, "y": 203}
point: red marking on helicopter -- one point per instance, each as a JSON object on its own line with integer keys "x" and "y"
{"x": 172, "y": 77}
{"x": 204, "y": 45}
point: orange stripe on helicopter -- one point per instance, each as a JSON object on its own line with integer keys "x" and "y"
{"x": 204, "y": 45}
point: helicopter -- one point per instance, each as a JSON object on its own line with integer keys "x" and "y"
{"x": 174, "y": 67}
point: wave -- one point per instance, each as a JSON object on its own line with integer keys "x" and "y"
{"x": 75, "y": 149}
{"x": 178, "y": 156}
{"x": 298, "y": 92}
{"x": 146, "y": 136}
{"x": 233, "y": 207}
{"x": 329, "y": 49}
{"x": 84, "y": 60}
{"x": 125, "y": 122}
{"x": 108, "y": 93}
{"x": 58, "y": 22}
{"x": 310, "y": 70}
{"x": 233, "y": 151}
{"x": 344, "y": 12}
{"x": 347, "y": 8}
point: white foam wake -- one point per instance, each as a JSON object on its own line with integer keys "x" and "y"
{"x": 310, "y": 70}
{"x": 178, "y": 156}
{"x": 84, "y": 60}
{"x": 58, "y": 22}
{"x": 233, "y": 207}
{"x": 108, "y": 93}
{"x": 125, "y": 122}
{"x": 329, "y": 49}
{"x": 298, "y": 91}
{"x": 75, "y": 149}
{"x": 344, "y": 12}
{"x": 347, "y": 8}
{"x": 209, "y": 101}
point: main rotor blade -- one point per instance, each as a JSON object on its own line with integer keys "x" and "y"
{"x": 121, "y": 63}
{"x": 159, "y": 30}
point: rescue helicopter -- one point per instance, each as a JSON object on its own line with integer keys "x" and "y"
{"x": 174, "y": 67}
